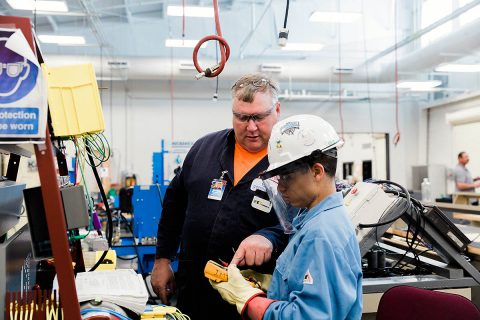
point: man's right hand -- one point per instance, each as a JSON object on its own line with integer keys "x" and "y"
{"x": 163, "y": 280}
{"x": 254, "y": 250}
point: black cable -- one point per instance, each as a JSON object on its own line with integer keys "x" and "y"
{"x": 107, "y": 209}
{"x": 286, "y": 15}
{"x": 412, "y": 239}
{"x": 407, "y": 206}
{"x": 137, "y": 256}
{"x": 414, "y": 228}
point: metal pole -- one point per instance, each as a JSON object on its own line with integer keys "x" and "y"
{"x": 57, "y": 228}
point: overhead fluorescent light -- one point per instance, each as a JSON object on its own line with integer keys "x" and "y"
{"x": 54, "y": 6}
{"x": 62, "y": 40}
{"x": 419, "y": 85}
{"x": 199, "y": 12}
{"x": 332, "y": 16}
{"x": 292, "y": 46}
{"x": 183, "y": 43}
{"x": 452, "y": 67}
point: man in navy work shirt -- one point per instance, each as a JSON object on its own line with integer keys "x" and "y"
{"x": 211, "y": 205}
{"x": 319, "y": 275}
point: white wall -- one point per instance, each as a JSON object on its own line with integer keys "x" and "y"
{"x": 361, "y": 147}
{"x": 444, "y": 144}
{"x": 137, "y": 119}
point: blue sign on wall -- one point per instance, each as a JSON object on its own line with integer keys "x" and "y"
{"x": 19, "y": 120}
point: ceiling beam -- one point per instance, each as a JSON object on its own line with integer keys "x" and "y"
{"x": 249, "y": 36}
{"x": 96, "y": 26}
{"x": 423, "y": 31}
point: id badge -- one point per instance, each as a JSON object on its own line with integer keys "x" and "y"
{"x": 216, "y": 189}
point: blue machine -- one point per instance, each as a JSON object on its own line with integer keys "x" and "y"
{"x": 147, "y": 209}
{"x": 158, "y": 166}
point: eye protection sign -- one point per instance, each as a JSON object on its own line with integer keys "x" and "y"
{"x": 23, "y": 98}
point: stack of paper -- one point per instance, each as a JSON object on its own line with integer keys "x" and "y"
{"x": 123, "y": 287}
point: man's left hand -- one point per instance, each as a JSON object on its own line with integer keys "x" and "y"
{"x": 253, "y": 250}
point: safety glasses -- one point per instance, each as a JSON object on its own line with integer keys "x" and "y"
{"x": 260, "y": 83}
{"x": 256, "y": 117}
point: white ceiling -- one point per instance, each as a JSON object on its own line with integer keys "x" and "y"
{"x": 135, "y": 31}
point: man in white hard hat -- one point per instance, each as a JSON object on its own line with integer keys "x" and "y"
{"x": 319, "y": 275}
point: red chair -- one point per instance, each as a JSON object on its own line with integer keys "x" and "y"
{"x": 405, "y": 302}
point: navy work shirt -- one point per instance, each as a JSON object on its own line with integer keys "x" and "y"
{"x": 210, "y": 229}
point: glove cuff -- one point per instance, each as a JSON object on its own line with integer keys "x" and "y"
{"x": 245, "y": 305}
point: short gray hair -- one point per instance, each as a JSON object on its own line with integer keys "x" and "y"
{"x": 247, "y": 86}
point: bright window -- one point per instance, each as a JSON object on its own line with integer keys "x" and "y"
{"x": 433, "y": 10}
{"x": 470, "y": 15}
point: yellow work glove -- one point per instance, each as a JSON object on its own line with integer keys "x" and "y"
{"x": 262, "y": 280}
{"x": 236, "y": 290}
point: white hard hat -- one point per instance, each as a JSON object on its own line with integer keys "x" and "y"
{"x": 296, "y": 137}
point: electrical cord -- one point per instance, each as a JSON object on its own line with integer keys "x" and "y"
{"x": 137, "y": 255}
{"x": 407, "y": 206}
{"x": 412, "y": 237}
{"x": 224, "y": 50}
{"x": 99, "y": 148}
{"x": 286, "y": 15}
{"x": 107, "y": 208}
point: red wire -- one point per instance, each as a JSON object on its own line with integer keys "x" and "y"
{"x": 224, "y": 47}
{"x": 396, "y": 138}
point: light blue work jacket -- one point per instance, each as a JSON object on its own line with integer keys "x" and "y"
{"x": 319, "y": 275}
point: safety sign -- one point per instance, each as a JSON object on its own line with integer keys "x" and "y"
{"x": 23, "y": 98}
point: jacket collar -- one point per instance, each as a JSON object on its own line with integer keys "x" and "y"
{"x": 226, "y": 157}
{"x": 332, "y": 201}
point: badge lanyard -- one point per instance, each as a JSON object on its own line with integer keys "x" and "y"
{"x": 217, "y": 187}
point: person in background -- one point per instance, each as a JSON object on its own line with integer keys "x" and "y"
{"x": 211, "y": 205}
{"x": 463, "y": 178}
{"x": 319, "y": 275}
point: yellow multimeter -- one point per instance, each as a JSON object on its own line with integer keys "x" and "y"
{"x": 215, "y": 272}
{"x": 218, "y": 273}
